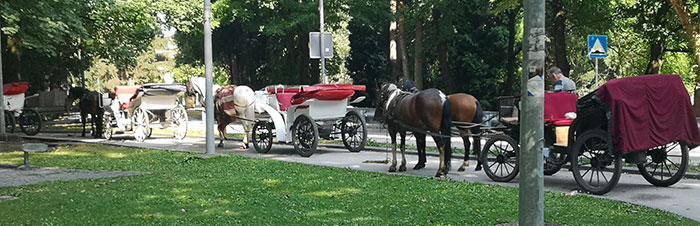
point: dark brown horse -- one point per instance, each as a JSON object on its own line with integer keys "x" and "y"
{"x": 426, "y": 111}
{"x": 465, "y": 109}
{"x": 90, "y": 103}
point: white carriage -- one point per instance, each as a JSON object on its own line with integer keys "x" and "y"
{"x": 139, "y": 108}
{"x": 301, "y": 115}
{"x": 29, "y": 120}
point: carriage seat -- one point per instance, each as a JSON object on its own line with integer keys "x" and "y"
{"x": 124, "y": 94}
{"x": 284, "y": 96}
{"x": 556, "y": 105}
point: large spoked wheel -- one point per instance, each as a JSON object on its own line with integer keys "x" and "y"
{"x": 141, "y": 122}
{"x": 353, "y": 131}
{"x": 553, "y": 163}
{"x": 262, "y": 136}
{"x": 9, "y": 122}
{"x": 665, "y": 165}
{"x": 108, "y": 130}
{"x": 596, "y": 169}
{"x": 305, "y": 135}
{"x": 30, "y": 122}
{"x": 179, "y": 117}
{"x": 500, "y": 158}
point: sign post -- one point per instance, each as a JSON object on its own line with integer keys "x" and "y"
{"x": 323, "y": 58}
{"x": 2, "y": 102}
{"x": 208, "y": 70}
{"x": 597, "y": 48}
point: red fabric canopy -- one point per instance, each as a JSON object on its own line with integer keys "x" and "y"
{"x": 649, "y": 111}
{"x": 15, "y": 88}
{"x": 556, "y": 105}
{"x": 326, "y": 92}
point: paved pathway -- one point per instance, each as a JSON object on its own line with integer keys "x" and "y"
{"x": 682, "y": 198}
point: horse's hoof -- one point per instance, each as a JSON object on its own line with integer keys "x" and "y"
{"x": 438, "y": 175}
{"x": 419, "y": 166}
{"x": 478, "y": 168}
{"x": 220, "y": 145}
{"x": 402, "y": 168}
{"x": 461, "y": 169}
{"x": 392, "y": 169}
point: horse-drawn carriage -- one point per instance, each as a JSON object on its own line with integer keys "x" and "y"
{"x": 303, "y": 114}
{"x": 29, "y": 120}
{"x": 136, "y": 108}
{"x": 647, "y": 120}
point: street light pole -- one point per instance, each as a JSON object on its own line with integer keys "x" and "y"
{"x": 2, "y": 91}
{"x": 532, "y": 133}
{"x": 323, "y": 54}
{"x": 208, "y": 68}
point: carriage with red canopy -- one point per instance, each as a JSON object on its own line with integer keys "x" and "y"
{"x": 303, "y": 114}
{"x": 645, "y": 120}
{"x": 29, "y": 120}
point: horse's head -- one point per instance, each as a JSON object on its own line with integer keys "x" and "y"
{"x": 384, "y": 92}
{"x": 73, "y": 94}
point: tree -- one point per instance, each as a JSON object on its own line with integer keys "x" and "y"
{"x": 693, "y": 33}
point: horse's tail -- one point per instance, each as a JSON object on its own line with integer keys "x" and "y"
{"x": 478, "y": 117}
{"x": 446, "y": 128}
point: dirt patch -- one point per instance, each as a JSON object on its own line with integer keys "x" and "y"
{"x": 16, "y": 177}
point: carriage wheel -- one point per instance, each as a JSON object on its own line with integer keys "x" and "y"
{"x": 553, "y": 164}
{"x": 262, "y": 136}
{"x": 30, "y": 122}
{"x": 142, "y": 128}
{"x": 9, "y": 122}
{"x": 596, "y": 169}
{"x": 353, "y": 131}
{"x": 179, "y": 117}
{"x": 664, "y": 165}
{"x": 305, "y": 135}
{"x": 108, "y": 130}
{"x": 500, "y": 158}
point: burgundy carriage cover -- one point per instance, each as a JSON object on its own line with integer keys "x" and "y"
{"x": 649, "y": 111}
{"x": 326, "y": 92}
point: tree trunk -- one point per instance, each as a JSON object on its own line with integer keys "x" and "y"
{"x": 511, "y": 75}
{"x": 234, "y": 76}
{"x": 658, "y": 45}
{"x": 393, "y": 52}
{"x": 402, "y": 41}
{"x": 418, "y": 56}
{"x": 443, "y": 54}
{"x": 691, "y": 30}
{"x": 656, "y": 59}
{"x": 559, "y": 33}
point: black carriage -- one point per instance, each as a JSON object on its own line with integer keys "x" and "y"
{"x": 646, "y": 120}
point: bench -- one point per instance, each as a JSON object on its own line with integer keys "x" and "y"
{"x": 32, "y": 148}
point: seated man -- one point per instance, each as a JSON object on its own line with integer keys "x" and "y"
{"x": 561, "y": 82}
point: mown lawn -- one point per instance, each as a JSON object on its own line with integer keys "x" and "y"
{"x": 183, "y": 189}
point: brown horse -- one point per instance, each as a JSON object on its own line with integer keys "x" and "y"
{"x": 466, "y": 109}
{"x": 425, "y": 111}
{"x": 90, "y": 103}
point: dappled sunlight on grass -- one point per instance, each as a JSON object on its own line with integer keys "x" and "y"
{"x": 365, "y": 219}
{"x": 11, "y": 158}
{"x": 115, "y": 155}
{"x": 331, "y": 194}
{"x": 271, "y": 182}
{"x": 70, "y": 153}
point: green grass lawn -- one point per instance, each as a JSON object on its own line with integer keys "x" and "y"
{"x": 183, "y": 189}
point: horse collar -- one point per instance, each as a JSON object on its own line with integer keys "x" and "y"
{"x": 391, "y": 97}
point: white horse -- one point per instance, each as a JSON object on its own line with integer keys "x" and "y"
{"x": 243, "y": 100}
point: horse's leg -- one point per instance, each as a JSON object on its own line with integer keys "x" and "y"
{"x": 249, "y": 114}
{"x": 477, "y": 147}
{"x": 83, "y": 115}
{"x": 402, "y": 168}
{"x": 392, "y": 134}
{"x": 441, "y": 148}
{"x": 467, "y": 144}
{"x": 222, "y": 134}
{"x": 420, "y": 143}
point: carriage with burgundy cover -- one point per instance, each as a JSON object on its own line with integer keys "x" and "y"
{"x": 645, "y": 120}
{"x": 303, "y": 114}
{"x": 138, "y": 108}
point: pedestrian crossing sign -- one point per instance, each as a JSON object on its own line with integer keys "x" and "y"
{"x": 598, "y": 46}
